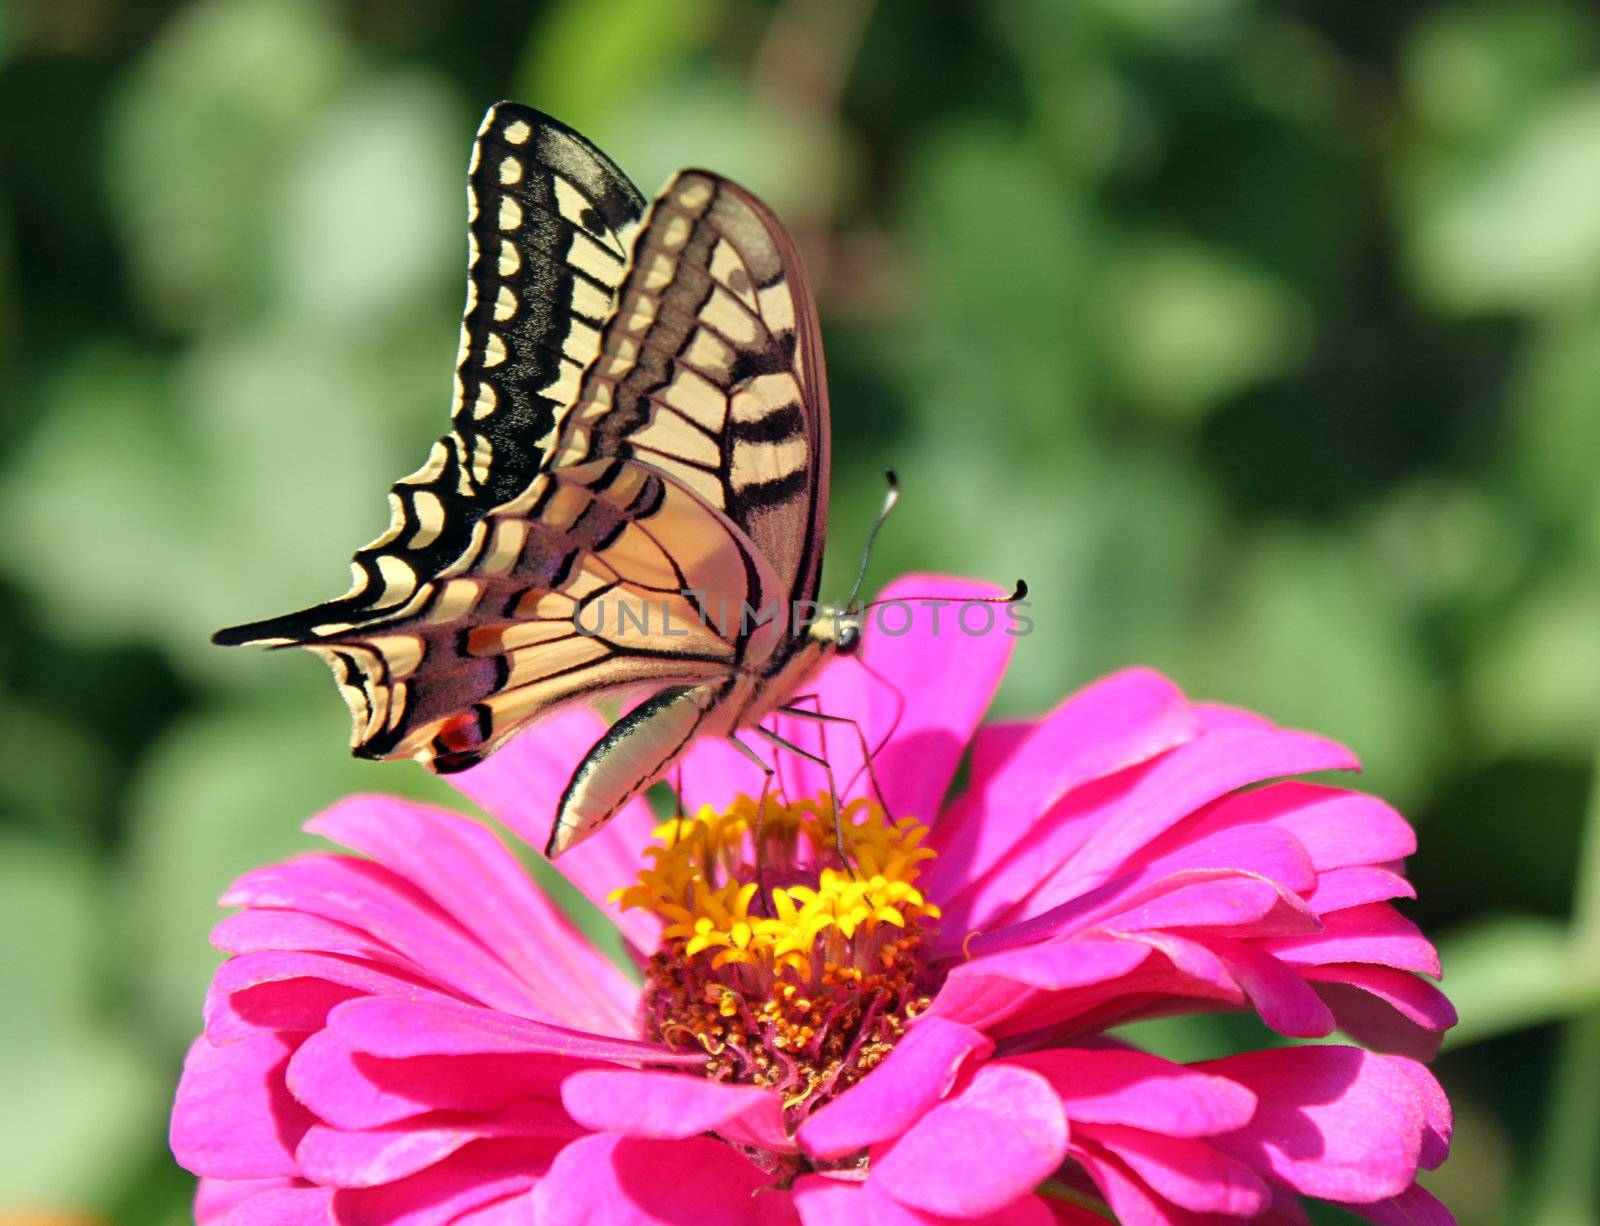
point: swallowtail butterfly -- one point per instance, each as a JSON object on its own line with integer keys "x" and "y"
{"x": 638, "y": 451}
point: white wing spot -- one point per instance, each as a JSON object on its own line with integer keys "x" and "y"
{"x": 482, "y": 458}
{"x": 694, "y": 193}
{"x": 430, "y": 519}
{"x": 510, "y": 171}
{"x": 518, "y": 132}
{"x": 494, "y": 350}
{"x": 510, "y": 260}
{"x": 570, "y": 202}
{"x": 487, "y": 402}
{"x": 505, "y": 304}
{"x": 510, "y": 214}
{"x": 399, "y": 580}
{"x": 675, "y": 233}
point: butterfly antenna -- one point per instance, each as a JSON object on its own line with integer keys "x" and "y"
{"x": 890, "y": 497}
{"x": 1018, "y": 593}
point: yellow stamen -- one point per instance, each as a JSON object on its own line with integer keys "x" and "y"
{"x": 805, "y": 985}
{"x": 733, "y": 920}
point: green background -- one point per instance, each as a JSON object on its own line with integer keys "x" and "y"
{"x": 1262, "y": 338}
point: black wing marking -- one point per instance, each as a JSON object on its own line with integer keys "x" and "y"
{"x": 712, "y": 371}
{"x": 550, "y": 220}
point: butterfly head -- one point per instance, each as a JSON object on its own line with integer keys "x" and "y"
{"x": 849, "y": 636}
{"x": 837, "y": 629}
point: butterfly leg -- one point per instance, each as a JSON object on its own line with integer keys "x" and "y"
{"x": 678, "y": 815}
{"x": 833, "y": 791}
{"x": 768, "y": 771}
{"x": 867, "y": 752}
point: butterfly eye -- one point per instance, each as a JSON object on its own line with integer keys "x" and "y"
{"x": 849, "y": 638}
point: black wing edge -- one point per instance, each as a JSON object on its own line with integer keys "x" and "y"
{"x": 618, "y": 203}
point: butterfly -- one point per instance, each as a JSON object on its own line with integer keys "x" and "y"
{"x": 632, "y": 493}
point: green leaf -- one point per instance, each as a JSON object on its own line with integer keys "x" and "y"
{"x": 199, "y": 138}
{"x": 1513, "y": 227}
{"x": 1189, "y": 325}
{"x": 1476, "y": 70}
{"x": 80, "y": 1096}
{"x": 591, "y": 59}
{"x": 1556, "y": 431}
{"x": 372, "y": 221}
{"x": 1534, "y": 682}
{"x": 1510, "y": 972}
{"x": 1002, "y": 250}
{"x": 1312, "y": 636}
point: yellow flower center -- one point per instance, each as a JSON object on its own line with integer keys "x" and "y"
{"x": 787, "y": 967}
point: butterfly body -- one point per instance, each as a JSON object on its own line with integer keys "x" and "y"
{"x": 631, "y": 498}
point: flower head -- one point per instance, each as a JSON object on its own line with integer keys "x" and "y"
{"x": 920, "y": 1031}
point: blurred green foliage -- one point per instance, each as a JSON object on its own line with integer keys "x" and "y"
{"x": 1262, "y": 338}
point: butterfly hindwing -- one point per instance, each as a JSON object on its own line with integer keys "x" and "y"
{"x": 712, "y": 370}
{"x": 575, "y": 588}
{"x": 550, "y": 222}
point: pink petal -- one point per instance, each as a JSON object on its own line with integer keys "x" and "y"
{"x": 946, "y": 680}
{"x": 382, "y": 903}
{"x": 1282, "y": 998}
{"x": 1219, "y": 900}
{"x": 1262, "y": 849}
{"x": 1438, "y": 1119}
{"x": 295, "y": 1004}
{"x": 233, "y": 1118}
{"x": 374, "y": 1156}
{"x": 1185, "y": 1171}
{"x": 284, "y": 1207}
{"x": 469, "y": 873}
{"x": 283, "y": 990}
{"x": 513, "y": 1210}
{"x": 836, "y": 1202}
{"x": 713, "y": 772}
{"x": 984, "y": 991}
{"x": 520, "y": 786}
{"x": 479, "y": 1175}
{"x": 1333, "y": 1122}
{"x": 1194, "y": 775}
{"x": 215, "y": 1198}
{"x": 1124, "y": 1086}
{"x": 258, "y": 930}
{"x": 352, "y": 1090}
{"x": 1341, "y": 888}
{"x": 401, "y": 1028}
{"x": 1115, "y": 723}
{"x": 978, "y": 1151}
{"x": 1097, "y": 828}
{"x": 1393, "y": 1011}
{"x": 993, "y": 744}
{"x": 1219, "y": 903}
{"x": 433, "y": 1056}
{"x": 1220, "y": 717}
{"x": 1374, "y": 933}
{"x": 1338, "y": 828}
{"x": 1413, "y": 1207}
{"x": 1132, "y": 1201}
{"x": 606, "y": 1180}
{"x": 888, "y": 1100}
{"x": 672, "y": 1107}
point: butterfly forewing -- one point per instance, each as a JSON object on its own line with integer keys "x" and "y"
{"x": 550, "y": 222}
{"x": 576, "y": 587}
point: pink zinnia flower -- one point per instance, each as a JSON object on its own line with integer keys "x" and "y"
{"x": 419, "y": 1036}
